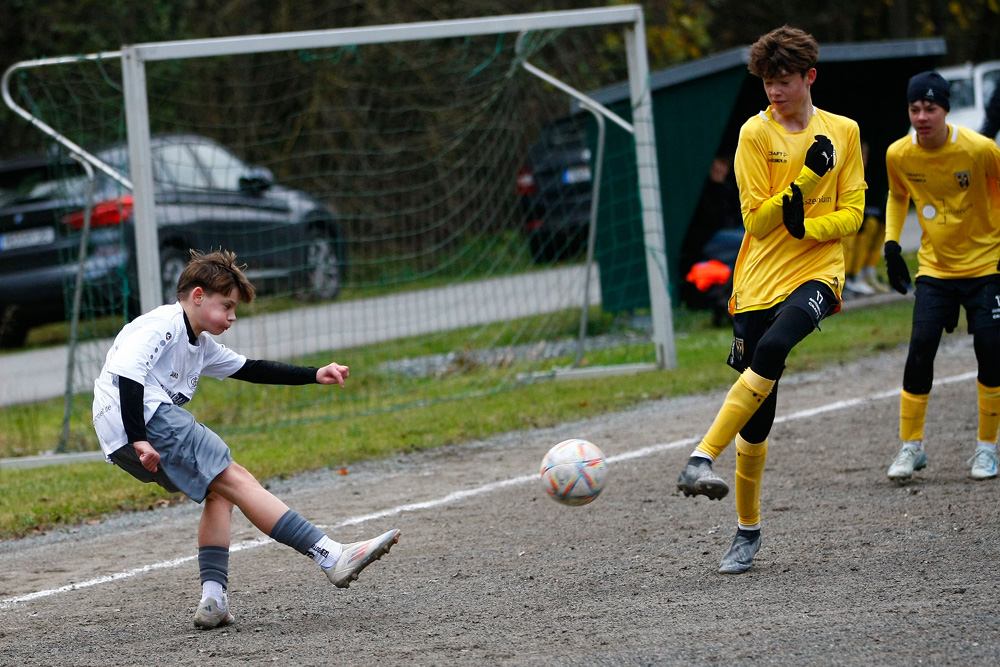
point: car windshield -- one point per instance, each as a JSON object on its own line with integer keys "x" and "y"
{"x": 963, "y": 93}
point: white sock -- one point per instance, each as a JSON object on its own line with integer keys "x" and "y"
{"x": 326, "y": 552}
{"x": 915, "y": 445}
{"x": 213, "y": 589}
{"x": 990, "y": 446}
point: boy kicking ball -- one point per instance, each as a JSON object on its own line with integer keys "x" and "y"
{"x": 153, "y": 369}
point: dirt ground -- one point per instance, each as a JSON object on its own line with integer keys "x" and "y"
{"x": 854, "y": 569}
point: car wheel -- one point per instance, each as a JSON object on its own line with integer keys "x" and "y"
{"x": 13, "y": 330}
{"x": 322, "y": 267}
{"x": 172, "y": 264}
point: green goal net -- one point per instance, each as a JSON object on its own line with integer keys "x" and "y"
{"x": 417, "y": 208}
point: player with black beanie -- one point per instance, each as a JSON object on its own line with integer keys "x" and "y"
{"x": 951, "y": 174}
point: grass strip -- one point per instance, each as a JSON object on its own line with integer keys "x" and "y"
{"x": 57, "y": 498}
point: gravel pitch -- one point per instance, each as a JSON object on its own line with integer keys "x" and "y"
{"x": 854, "y": 569}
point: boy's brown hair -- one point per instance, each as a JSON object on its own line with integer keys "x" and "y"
{"x": 783, "y": 51}
{"x": 217, "y": 272}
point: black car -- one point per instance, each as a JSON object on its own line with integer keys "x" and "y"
{"x": 206, "y": 198}
{"x": 554, "y": 186}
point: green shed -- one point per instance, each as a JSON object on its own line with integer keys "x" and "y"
{"x": 698, "y": 109}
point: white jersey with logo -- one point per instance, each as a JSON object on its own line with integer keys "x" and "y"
{"x": 154, "y": 351}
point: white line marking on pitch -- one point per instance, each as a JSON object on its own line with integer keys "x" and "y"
{"x": 455, "y": 496}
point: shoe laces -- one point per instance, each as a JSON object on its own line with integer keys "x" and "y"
{"x": 906, "y": 455}
{"x": 983, "y": 458}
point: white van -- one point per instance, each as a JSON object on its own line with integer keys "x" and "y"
{"x": 971, "y": 88}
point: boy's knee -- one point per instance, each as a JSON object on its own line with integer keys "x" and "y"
{"x": 234, "y": 477}
{"x": 218, "y": 499}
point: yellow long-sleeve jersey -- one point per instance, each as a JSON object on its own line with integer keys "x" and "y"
{"x": 769, "y": 158}
{"x": 955, "y": 191}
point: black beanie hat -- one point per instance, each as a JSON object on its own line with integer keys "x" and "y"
{"x": 929, "y": 86}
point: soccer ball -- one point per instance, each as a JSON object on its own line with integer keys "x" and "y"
{"x": 574, "y": 472}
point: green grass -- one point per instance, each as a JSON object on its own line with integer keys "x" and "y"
{"x": 55, "y": 498}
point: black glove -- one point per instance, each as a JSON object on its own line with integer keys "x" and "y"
{"x": 821, "y": 156}
{"x": 793, "y": 213}
{"x": 895, "y": 268}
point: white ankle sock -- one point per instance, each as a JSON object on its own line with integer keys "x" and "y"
{"x": 326, "y": 552}
{"x": 991, "y": 446}
{"x": 213, "y": 589}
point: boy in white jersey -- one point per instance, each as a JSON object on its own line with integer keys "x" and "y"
{"x": 802, "y": 186}
{"x": 151, "y": 370}
{"x": 951, "y": 175}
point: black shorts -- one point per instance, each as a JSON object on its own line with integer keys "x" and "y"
{"x": 814, "y": 298}
{"x": 938, "y": 302}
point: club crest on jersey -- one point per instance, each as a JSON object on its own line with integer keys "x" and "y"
{"x": 193, "y": 381}
{"x": 962, "y": 178}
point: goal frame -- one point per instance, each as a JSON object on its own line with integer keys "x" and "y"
{"x": 133, "y": 65}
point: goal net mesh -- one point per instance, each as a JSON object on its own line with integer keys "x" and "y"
{"x": 452, "y": 188}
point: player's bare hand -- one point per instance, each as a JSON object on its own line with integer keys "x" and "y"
{"x": 333, "y": 374}
{"x": 148, "y": 457}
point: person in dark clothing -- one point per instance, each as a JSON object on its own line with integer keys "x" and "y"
{"x": 991, "y": 125}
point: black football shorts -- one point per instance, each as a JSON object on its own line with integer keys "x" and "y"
{"x": 938, "y": 302}
{"x": 815, "y": 298}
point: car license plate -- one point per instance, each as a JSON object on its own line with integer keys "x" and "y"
{"x": 579, "y": 174}
{"x": 27, "y": 238}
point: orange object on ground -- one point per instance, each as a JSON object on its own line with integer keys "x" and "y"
{"x": 706, "y": 274}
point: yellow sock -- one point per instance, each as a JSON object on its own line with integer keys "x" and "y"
{"x": 741, "y": 402}
{"x": 989, "y": 412}
{"x": 912, "y": 413}
{"x": 749, "y": 473}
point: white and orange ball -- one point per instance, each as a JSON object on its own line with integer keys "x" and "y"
{"x": 574, "y": 472}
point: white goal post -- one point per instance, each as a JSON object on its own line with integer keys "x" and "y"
{"x": 134, "y": 59}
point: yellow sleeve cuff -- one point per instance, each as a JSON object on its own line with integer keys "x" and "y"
{"x": 845, "y": 221}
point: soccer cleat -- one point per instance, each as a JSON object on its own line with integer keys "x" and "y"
{"x": 984, "y": 464}
{"x": 908, "y": 460}
{"x": 210, "y": 616}
{"x": 359, "y": 555}
{"x": 698, "y": 479}
{"x": 741, "y": 552}
{"x": 860, "y": 287}
{"x": 869, "y": 275}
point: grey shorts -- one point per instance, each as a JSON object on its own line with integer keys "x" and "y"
{"x": 191, "y": 454}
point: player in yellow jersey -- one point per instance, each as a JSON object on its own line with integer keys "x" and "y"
{"x": 951, "y": 175}
{"x": 801, "y": 183}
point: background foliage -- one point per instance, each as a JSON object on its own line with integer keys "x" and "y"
{"x": 677, "y": 30}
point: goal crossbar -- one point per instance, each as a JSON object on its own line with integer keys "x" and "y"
{"x": 400, "y": 32}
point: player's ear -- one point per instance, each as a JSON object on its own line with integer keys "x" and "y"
{"x": 197, "y": 294}
{"x": 810, "y": 76}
